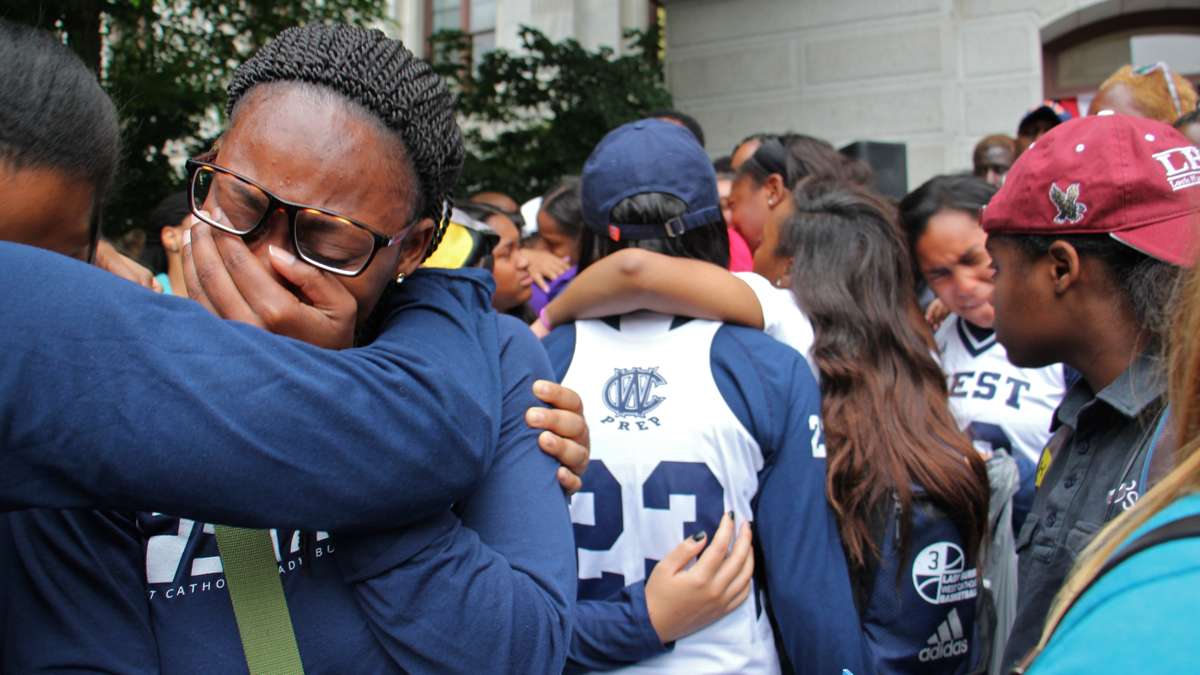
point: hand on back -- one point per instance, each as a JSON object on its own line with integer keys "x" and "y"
{"x": 566, "y": 433}
{"x": 681, "y": 599}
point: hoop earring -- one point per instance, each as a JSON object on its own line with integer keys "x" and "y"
{"x": 400, "y": 277}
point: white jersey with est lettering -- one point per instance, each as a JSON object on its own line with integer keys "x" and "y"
{"x": 670, "y": 458}
{"x": 1001, "y": 405}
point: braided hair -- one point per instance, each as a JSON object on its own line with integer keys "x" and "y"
{"x": 386, "y": 79}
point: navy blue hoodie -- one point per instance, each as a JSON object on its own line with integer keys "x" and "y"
{"x": 113, "y": 396}
{"x": 385, "y": 436}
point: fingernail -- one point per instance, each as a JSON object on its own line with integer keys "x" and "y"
{"x": 281, "y": 255}
{"x": 541, "y": 388}
{"x": 187, "y": 236}
{"x": 699, "y": 536}
{"x": 731, "y": 516}
{"x": 550, "y": 439}
{"x": 535, "y": 417}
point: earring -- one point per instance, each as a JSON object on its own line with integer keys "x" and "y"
{"x": 778, "y": 282}
{"x": 400, "y": 277}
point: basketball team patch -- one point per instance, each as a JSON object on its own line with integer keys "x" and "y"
{"x": 940, "y": 574}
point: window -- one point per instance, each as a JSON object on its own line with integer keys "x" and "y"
{"x": 476, "y": 18}
{"x": 445, "y": 15}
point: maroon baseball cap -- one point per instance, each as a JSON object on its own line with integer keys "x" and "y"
{"x": 1135, "y": 179}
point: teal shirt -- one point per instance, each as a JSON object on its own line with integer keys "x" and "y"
{"x": 165, "y": 281}
{"x": 1140, "y": 617}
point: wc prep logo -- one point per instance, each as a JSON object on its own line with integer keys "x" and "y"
{"x": 630, "y": 393}
{"x": 940, "y": 576}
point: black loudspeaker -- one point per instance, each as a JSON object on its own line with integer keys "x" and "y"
{"x": 889, "y": 161}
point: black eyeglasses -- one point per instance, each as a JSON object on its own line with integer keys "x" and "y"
{"x": 322, "y": 238}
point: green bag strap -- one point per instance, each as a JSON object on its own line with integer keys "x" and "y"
{"x": 252, "y": 577}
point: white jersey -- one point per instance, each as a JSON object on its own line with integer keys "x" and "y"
{"x": 670, "y": 459}
{"x": 1001, "y": 405}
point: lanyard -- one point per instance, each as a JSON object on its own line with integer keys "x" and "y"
{"x": 1154, "y": 441}
{"x": 1145, "y": 470}
{"x": 259, "y": 606}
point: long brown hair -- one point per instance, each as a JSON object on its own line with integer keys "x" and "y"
{"x": 1184, "y": 397}
{"x": 884, "y": 403}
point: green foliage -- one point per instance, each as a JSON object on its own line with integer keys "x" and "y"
{"x": 166, "y": 63}
{"x": 533, "y": 116}
{"x": 530, "y": 116}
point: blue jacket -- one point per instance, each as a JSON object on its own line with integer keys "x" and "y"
{"x": 919, "y": 613}
{"x": 1137, "y": 618}
{"x": 112, "y": 396}
{"x": 331, "y": 444}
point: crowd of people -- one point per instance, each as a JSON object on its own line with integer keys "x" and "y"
{"x": 676, "y": 415}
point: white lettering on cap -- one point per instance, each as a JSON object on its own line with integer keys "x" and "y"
{"x": 1182, "y": 165}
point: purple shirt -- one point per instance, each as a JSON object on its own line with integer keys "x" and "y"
{"x": 541, "y": 298}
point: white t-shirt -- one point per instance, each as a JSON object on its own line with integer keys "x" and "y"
{"x": 782, "y": 317}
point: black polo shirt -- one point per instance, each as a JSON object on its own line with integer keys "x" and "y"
{"x": 1091, "y": 470}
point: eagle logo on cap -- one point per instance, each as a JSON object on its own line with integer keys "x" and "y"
{"x": 1070, "y": 209}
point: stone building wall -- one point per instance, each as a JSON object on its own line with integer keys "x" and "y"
{"x": 933, "y": 74}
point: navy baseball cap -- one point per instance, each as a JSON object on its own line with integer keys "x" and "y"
{"x": 1050, "y": 110}
{"x": 649, "y": 156}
